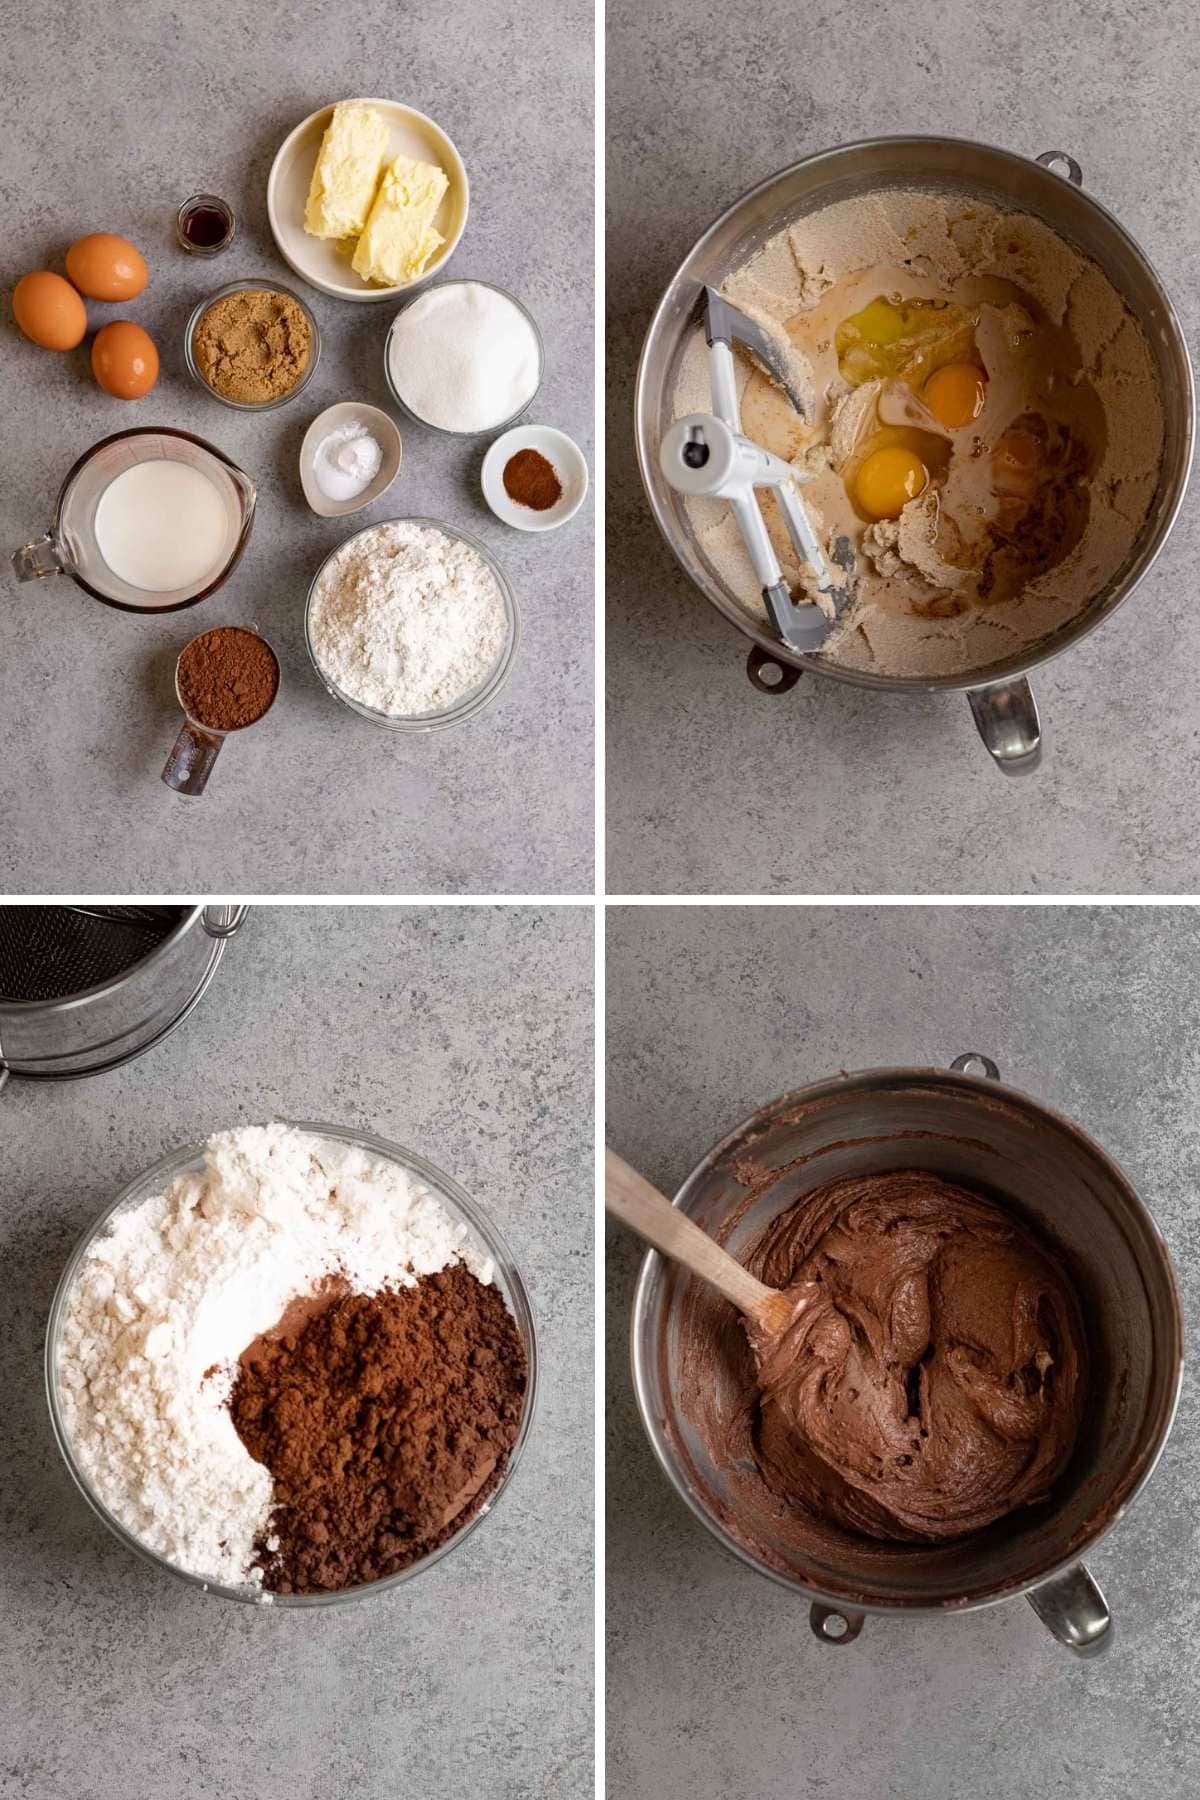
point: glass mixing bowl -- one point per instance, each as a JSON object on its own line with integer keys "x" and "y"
{"x": 468, "y": 704}
{"x": 460, "y": 1207}
{"x": 446, "y": 430}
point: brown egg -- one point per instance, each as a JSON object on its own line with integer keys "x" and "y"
{"x": 49, "y": 311}
{"x": 124, "y": 360}
{"x": 105, "y": 267}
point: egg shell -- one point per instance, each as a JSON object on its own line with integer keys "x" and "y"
{"x": 124, "y": 360}
{"x": 106, "y": 267}
{"x": 49, "y": 311}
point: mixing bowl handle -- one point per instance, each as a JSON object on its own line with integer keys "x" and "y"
{"x": 974, "y": 1062}
{"x": 1007, "y": 716}
{"x": 835, "y": 1624}
{"x": 1073, "y": 1610}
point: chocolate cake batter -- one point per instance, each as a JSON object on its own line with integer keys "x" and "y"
{"x": 934, "y": 1381}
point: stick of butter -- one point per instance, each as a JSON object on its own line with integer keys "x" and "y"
{"x": 400, "y": 239}
{"x": 347, "y": 173}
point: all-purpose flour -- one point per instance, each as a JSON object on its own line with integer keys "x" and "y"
{"x": 406, "y": 619}
{"x": 167, "y": 1300}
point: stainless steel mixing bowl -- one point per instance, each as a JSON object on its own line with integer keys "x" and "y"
{"x": 1000, "y": 696}
{"x": 972, "y": 1130}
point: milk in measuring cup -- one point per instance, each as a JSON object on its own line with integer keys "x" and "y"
{"x": 163, "y": 525}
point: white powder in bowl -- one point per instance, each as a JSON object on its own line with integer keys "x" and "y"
{"x": 464, "y": 357}
{"x": 166, "y": 1301}
{"x": 406, "y": 619}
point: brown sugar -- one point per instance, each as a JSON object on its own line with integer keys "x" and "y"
{"x": 253, "y": 346}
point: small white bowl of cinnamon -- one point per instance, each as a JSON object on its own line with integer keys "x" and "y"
{"x": 534, "y": 478}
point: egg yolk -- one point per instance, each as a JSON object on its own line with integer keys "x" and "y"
{"x": 888, "y": 480}
{"x": 955, "y": 394}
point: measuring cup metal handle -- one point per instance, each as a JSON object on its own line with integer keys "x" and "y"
{"x": 1074, "y": 1611}
{"x": 32, "y": 561}
{"x": 1007, "y": 717}
{"x": 191, "y": 760}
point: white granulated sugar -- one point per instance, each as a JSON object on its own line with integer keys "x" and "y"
{"x": 407, "y": 619}
{"x": 166, "y": 1301}
{"x": 464, "y": 357}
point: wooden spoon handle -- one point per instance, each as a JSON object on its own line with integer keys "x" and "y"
{"x": 630, "y": 1198}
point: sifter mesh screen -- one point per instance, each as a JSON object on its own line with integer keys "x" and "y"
{"x": 52, "y": 952}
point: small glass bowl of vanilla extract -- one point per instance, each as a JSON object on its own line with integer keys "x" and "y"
{"x": 205, "y": 225}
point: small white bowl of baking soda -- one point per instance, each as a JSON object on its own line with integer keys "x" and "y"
{"x": 350, "y": 457}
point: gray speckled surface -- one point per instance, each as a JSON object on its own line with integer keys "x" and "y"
{"x": 716, "y": 1687}
{"x": 465, "y": 1034}
{"x": 112, "y": 123}
{"x": 882, "y": 793}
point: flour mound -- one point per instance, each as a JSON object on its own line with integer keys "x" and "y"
{"x": 407, "y": 620}
{"x": 166, "y": 1301}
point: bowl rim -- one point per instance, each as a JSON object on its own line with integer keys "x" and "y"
{"x": 481, "y": 431}
{"x": 241, "y": 286}
{"x": 512, "y": 1288}
{"x": 507, "y": 444}
{"x": 336, "y": 290}
{"x": 845, "y": 1595}
{"x": 476, "y": 699}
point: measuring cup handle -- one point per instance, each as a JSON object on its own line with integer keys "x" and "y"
{"x": 191, "y": 760}
{"x": 1007, "y": 717}
{"x": 32, "y": 561}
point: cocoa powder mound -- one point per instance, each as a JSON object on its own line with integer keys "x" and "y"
{"x": 227, "y": 678}
{"x": 385, "y": 1422}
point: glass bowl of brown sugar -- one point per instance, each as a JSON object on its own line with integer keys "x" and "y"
{"x": 252, "y": 345}
{"x": 462, "y": 1210}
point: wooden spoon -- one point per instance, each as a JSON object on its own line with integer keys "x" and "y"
{"x": 630, "y": 1198}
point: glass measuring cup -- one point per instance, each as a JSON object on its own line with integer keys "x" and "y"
{"x": 70, "y": 546}
{"x": 198, "y": 745}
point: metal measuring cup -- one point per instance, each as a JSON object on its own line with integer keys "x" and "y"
{"x": 198, "y": 745}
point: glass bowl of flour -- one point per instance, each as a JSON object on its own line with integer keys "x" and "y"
{"x": 412, "y": 624}
{"x": 134, "y": 1501}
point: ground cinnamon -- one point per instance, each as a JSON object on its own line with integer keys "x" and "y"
{"x": 532, "y": 480}
{"x": 385, "y": 1422}
{"x": 227, "y": 678}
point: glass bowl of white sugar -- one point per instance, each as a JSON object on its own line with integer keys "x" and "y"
{"x": 464, "y": 358}
{"x": 462, "y": 1211}
{"x": 412, "y": 624}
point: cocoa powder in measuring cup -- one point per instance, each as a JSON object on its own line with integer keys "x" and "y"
{"x": 385, "y": 1421}
{"x": 227, "y": 678}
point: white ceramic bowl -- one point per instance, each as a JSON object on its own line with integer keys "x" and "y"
{"x": 569, "y": 465}
{"x": 325, "y": 264}
{"x": 386, "y": 435}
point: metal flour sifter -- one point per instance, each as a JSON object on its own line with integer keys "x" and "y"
{"x": 87, "y": 988}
